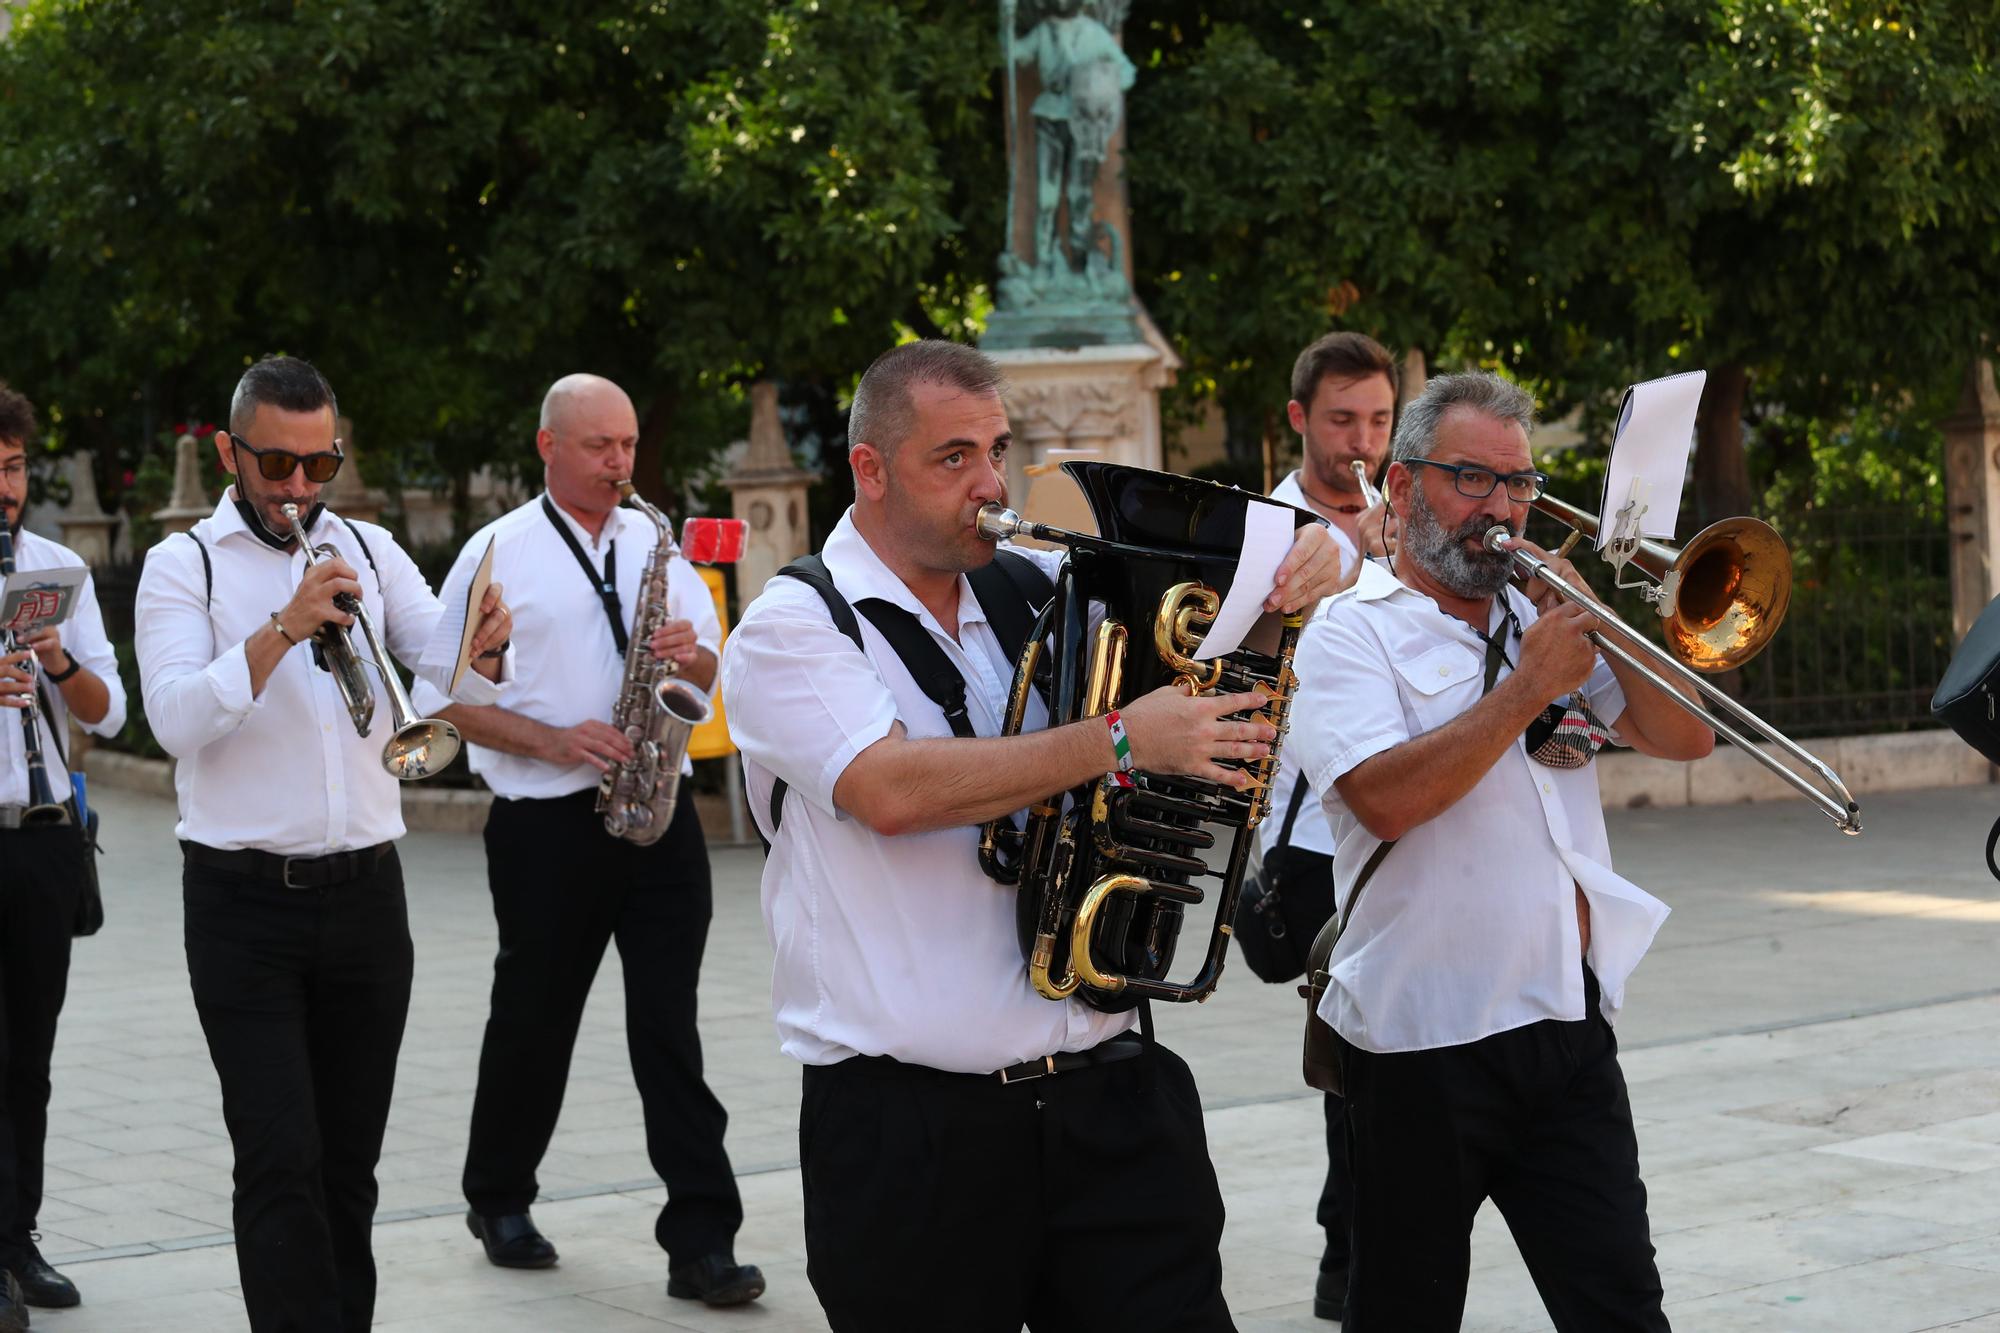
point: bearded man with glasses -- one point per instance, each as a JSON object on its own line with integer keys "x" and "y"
{"x": 1447, "y": 720}
{"x": 298, "y": 941}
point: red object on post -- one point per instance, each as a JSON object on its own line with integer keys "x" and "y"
{"x": 713, "y": 541}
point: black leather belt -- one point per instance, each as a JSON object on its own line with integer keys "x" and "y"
{"x": 1104, "y": 1053}
{"x": 294, "y": 872}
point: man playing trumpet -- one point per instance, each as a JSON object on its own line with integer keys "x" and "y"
{"x": 1448, "y": 721}
{"x": 298, "y": 942}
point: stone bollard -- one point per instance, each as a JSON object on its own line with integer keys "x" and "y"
{"x": 189, "y": 504}
{"x": 768, "y": 492}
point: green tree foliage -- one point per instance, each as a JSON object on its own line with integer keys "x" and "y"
{"x": 446, "y": 205}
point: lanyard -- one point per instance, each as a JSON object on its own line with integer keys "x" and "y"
{"x": 606, "y": 585}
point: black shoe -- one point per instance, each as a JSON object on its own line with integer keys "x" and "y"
{"x": 41, "y": 1285}
{"x": 1330, "y": 1296}
{"x": 511, "y": 1240}
{"x": 13, "y": 1310}
{"x": 716, "y": 1279}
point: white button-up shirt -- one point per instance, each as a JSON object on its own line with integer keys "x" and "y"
{"x": 1468, "y": 926}
{"x": 569, "y": 666}
{"x": 885, "y": 946}
{"x": 282, "y": 771}
{"x": 1310, "y": 831}
{"x": 83, "y": 635}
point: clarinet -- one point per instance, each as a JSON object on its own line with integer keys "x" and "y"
{"x": 43, "y": 808}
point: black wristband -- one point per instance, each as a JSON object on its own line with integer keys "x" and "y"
{"x": 495, "y": 654}
{"x": 58, "y": 677}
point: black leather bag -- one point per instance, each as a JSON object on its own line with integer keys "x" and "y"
{"x": 89, "y": 898}
{"x": 1965, "y": 700}
{"x": 1266, "y": 923}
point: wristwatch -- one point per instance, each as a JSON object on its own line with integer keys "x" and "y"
{"x": 58, "y": 677}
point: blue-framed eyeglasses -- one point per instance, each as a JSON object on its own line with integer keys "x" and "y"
{"x": 1476, "y": 483}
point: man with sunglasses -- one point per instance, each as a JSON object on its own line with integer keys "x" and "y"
{"x": 65, "y": 671}
{"x": 1447, "y": 720}
{"x": 298, "y": 941}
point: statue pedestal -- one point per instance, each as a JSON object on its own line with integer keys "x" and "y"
{"x": 768, "y": 492}
{"x": 1103, "y": 400}
{"x": 189, "y": 504}
{"x": 86, "y": 528}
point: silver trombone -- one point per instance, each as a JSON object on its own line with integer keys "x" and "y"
{"x": 418, "y": 746}
{"x": 1721, "y": 596}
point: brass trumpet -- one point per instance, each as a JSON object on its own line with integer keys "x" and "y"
{"x": 418, "y": 746}
{"x": 1722, "y": 597}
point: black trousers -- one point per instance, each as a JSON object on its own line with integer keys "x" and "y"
{"x": 1306, "y": 900}
{"x": 1538, "y": 1120}
{"x": 302, "y": 995}
{"x": 1084, "y": 1201}
{"x": 41, "y": 873}
{"x": 562, "y": 889}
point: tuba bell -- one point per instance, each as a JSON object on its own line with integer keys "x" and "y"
{"x": 1104, "y": 874}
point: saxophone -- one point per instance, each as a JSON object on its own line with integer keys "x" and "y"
{"x": 656, "y": 711}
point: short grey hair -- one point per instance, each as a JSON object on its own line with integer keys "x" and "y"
{"x": 884, "y": 412}
{"x": 1479, "y": 390}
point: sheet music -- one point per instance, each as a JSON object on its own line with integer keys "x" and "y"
{"x": 451, "y": 641}
{"x": 1655, "y": 436}
{"x": 1267, "y": 536}
{"x": 34, "y": 599}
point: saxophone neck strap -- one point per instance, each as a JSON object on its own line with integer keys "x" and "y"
{"x": 604, "y": 584}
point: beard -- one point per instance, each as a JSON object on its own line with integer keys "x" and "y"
{"x": 1458, "y": 569}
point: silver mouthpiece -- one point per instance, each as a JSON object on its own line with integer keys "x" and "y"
{"x": 1369, "y": 495}
{"x": 1498, "y": 536}
{"x": 996, "y": 522}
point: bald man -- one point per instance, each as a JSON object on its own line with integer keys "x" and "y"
{"x": 563, "y": 888}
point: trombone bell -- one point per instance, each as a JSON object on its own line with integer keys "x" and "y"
{"x": 1720, "y": 598}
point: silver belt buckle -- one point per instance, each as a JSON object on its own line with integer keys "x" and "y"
{"x": 286, "y": 876}
{"x": 10, "y": 816}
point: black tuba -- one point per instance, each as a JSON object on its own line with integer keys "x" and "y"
{"x": 1106, "y": 871}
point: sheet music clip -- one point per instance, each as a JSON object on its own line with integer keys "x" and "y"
{"x": 1623, "y": 542}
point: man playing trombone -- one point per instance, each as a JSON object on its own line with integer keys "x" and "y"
{"x": 298, "y": 942}
{"x": 56, "y": 673}
{"x": 1448, "y": 721}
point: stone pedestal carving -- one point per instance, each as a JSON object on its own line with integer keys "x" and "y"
{"x": 768, "y": 492}
{"x": 1104, "y": 401}
{"x": 347, "y": 494}
{"x": 1972, "y": 495}
{"x": 189, "y": 504}
{"x": 86, "y": 528}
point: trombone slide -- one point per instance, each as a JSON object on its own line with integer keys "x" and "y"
{"x": 1832, "y": 797}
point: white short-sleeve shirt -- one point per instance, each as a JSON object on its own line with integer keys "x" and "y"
{"x": 884, "y": 946}
{"x": 1468, "y": 926}
{"x": 83, "y": 635}
{"x": 1310, "y": 831}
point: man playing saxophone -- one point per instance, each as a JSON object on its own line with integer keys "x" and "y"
{"x": 562, "y": 886}
{"x": 298, "y": 941}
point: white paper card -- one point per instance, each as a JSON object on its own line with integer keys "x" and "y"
{"x": 1655, "y": 436}
{"x": 1267, "y": 537}
{"x": 38, "y": 598}
{"x": 449, "y": 652}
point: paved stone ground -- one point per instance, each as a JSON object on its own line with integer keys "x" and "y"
{"x": 1813, "y": 1047}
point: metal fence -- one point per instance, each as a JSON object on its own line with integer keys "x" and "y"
{"x": 1869, "y": 629}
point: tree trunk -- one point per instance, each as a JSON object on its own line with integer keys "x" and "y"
{"x": 649, "y": 459}
{"x": 1721, "y": 474}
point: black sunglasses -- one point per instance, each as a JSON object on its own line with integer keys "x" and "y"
{"x": 1476, "y": 483}
{"x": 276, "y": 464}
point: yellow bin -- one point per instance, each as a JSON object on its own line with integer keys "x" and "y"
{"x": 710, "y": 740}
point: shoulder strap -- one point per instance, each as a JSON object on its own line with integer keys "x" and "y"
{"x": 928, "y": 664}
{"x": 811, "y": 570}
{"x": 1320, "y": 956}
{"x": 1300, "y": 788}
{"x": 363, "y": 541}
{"x": 208, "y": 569}
{"x": 1012, "y": 591}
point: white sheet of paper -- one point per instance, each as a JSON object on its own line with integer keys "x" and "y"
{"x": 37, "y": 598}
{"x": 1655, "y": 436}
{"x": 1267, "y": 536}
{"x": 450, "y": 648}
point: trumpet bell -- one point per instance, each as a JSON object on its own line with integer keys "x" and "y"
{"x": 1730, "y": 587}
{"x": 424, "y": 747}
